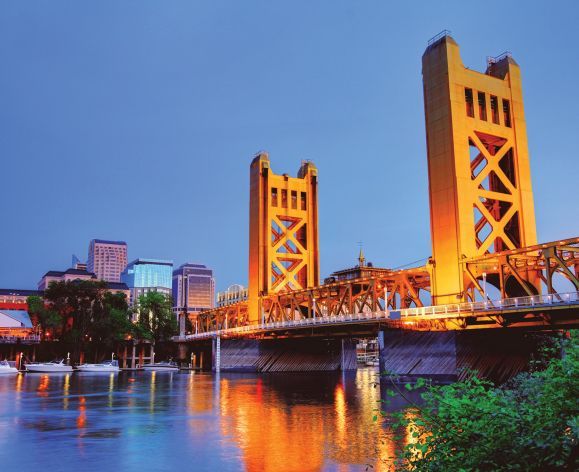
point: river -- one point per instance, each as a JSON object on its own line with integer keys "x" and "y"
{"x": 191, "y": 421}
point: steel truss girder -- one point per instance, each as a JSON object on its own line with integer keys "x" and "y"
{"x": 225, "y": 317}
{"x": 350, "y": 296}
{"x": 527, "y": 266}
{"x": 404, "y": 288}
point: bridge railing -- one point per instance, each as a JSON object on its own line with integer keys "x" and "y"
{"x": 501, "y": 304}
{"x": 12, "y": 339}
{"x": 451, "y": 310}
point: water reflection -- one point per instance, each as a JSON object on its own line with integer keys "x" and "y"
{"x": 43, "y": 386}
{"x": 81, "y": 418}
{"x": 164, "y": 421}
{"x": 296, "y": 422}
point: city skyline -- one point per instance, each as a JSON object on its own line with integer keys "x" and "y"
{"x": 340, "y": 102}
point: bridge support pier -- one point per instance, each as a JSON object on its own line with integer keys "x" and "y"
{"x": 182, "y": 352}
{"x": 451, "y": 355}
{"x": 285, "y": 355}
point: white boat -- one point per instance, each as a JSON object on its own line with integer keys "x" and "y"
{"x": 6, "y": 368}
{"x": 107, "y": 366}
{"x": 48, "y": 367}
{"x": 161, "y": 366}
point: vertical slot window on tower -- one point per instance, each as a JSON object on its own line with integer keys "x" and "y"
{"x": 274, "y": 197}
{"x": 284, "y": 198}
{"x": 482, "y": 106}
{"x": 495, "y": 109}
{"x": 507, "y": 113}
{"x": 469, "y": 102}
{"x": 294, "y": 200}
{"x": 303, "y": 201}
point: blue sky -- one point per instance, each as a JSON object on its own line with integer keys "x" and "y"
{"x": 137, "y": 120}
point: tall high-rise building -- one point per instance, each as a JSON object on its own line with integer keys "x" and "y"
{"x": 148, "y": 275}
{"x": 107, "y": 259}
{"x": 193, "y": 291}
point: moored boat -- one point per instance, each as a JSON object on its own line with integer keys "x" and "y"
{"x": 6, "y": 368}
{"x": 161, "y": 366}
{"x": 48, "y": 367}
{"x": 107, "y": 366}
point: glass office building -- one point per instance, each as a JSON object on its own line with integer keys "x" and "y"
{"x": 146, "y": 275}
{"x": 193, "y": 291}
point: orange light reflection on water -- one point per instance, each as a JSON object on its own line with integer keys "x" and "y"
{"x": 280, "y": 432}
{"x": 81, "y": 418}
{"x": 43, "y": 386}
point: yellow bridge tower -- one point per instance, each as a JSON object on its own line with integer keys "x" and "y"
{"x": 481, "y": 199}
{"x": 283, "y": 231}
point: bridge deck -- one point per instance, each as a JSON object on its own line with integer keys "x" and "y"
{"x": 552, "y": 311}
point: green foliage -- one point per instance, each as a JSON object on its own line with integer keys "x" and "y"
{"x": 41, "y": 315}
{"x": 111, "y": 320}
{"x": 82, "y": 311}
{"x": 532, "y": 423}
{"x": 156, "y": 320}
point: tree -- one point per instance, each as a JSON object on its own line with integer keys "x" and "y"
{"x": 531, "y": 423}
{"x": 112, "y": 322}
{"x": 41, "y": 316}
{"x": 156, "y": 321}
{"x": 84, "y": 313}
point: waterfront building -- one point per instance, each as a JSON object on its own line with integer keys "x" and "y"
{"x": 77, "y": 274}
{"x": 15, "y": 323}
{"x": 234, "y": 294}
{"x": 362, "y": 270}
{"x": 16, "y": 299}
{"x": 193, "y": 291}
{"x": 59, "y": 276}
{"x": 119, "y": 287}
{"x": 148, "y": 275}
{"x": 107, "y": 259}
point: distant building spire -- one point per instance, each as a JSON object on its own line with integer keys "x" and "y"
{"x": 361, "y": 258}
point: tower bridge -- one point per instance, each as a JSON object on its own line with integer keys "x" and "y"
{"x": 483, "y": 234}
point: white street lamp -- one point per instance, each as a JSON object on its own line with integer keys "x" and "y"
{"x": 314, "y": 306}
{"x": 485, "y": 286}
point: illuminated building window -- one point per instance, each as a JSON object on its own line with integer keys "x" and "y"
{"x": 482, "y": 106}
{"x": 303, "y": 201}
{"x": 274, "y": 197}
{"x": 507, "y": 113}
{"x": 495, "y": 109}
{"x": 284, "y": 198}
{"x": 469, "y": 102}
